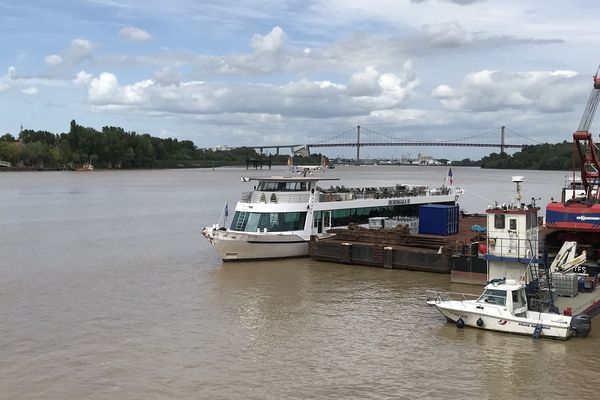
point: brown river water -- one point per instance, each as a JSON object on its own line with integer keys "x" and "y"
{"x": 109, "y": 291}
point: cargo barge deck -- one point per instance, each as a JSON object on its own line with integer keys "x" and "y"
{"x": 395, "y": 248}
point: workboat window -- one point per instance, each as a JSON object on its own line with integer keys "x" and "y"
{"x": 532, "y": 221}
{"x": 513, "y": 224}
{"x": 493, "y": 296}
{"x": 272, "y": 222}
{"x": 499, "y": 221}
{"x": 282, "y": 187}
{"x": 519, "y": 299}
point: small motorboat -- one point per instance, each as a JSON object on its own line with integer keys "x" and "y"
{"x": 503, "y": 307}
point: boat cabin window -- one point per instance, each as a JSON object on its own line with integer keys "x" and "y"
{"x": 529, "y": 221}
{"x": 272, "y": 222}
{"x": 282, "y": 187}
{"x": 519, "y": 298}
{"x": 493, "y": 296}
{"x": 513, "y": 224}
{"x": 499, "y": 221}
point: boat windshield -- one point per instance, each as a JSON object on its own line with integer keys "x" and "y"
{"x": 272, "y": 222}
{"x": 493, "y": 296}
{"x": 282, "y": 187}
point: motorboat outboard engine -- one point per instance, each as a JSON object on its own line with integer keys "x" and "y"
{"x": 582, "y": 325}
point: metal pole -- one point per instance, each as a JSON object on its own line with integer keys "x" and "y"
{"x": 502, "y": 140}
{"x": 358, "y": 145}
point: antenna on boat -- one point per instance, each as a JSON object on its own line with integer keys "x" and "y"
{"x": 518, "y": 180}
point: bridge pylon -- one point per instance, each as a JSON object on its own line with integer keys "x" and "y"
{"x": 358, "y": 145}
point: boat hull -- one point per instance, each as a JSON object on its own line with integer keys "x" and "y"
{"x": 236, "y": 246}
{"x": 577, "y": 217}
{"x": 494, "y": 321}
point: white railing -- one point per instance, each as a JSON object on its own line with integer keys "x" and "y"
{"x": 342, "y": 194}
{"x": 438, "y": 297}
{"x": 274, "y": 197}
{"x": 519, "y": 248}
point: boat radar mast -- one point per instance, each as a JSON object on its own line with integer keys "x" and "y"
{"x": 518, "y": 180}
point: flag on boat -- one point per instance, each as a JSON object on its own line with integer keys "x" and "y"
{"x": 450, "y": 176}
{"x": 226, "y": 210}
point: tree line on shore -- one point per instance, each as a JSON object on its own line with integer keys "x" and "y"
{"x": 113, "y": 147}
{"x": 559, "y": 157}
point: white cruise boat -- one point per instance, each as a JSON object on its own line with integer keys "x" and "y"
{"x": 278, "y": 217}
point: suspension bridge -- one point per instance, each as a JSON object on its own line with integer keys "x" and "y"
{"x": 359, "y": 136}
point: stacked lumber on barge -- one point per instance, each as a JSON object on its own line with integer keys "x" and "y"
{"x": 396, "y": 248}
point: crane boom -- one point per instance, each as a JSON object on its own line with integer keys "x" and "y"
{"x": 592, "y": 104}
{"x": 586, "y": 149}
{"x": 590, "y": 110}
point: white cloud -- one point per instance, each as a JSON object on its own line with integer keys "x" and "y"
{"x": 7, "y": 79}
{"x": 81, "y": 45}
{"x": 489, "y": 90}
{"x": 30, "y": 91}
{"x": 53, "y": 60}
{"x": 364, "y": 83}
{"x": 105, "y": 91}
{"x": 82, "y": 78}
{"x": 301, "y": 98}
{"x": 271, "y": 42}
{"x": 62, "y": 65}
{"x": 134, "y": 34}
{"x": 442, "y": 92}
{"x": 448, "y": 34}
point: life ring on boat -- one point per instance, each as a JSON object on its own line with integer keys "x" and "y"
{"x": 492, "y": 242}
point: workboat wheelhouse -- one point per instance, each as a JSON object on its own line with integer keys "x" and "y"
{"x": 277, "y": 218}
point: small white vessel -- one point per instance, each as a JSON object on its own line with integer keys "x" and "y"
{"x": 520, "y": 296}
{"x": 503, "y": 307}
{"x": 277, "y": 218}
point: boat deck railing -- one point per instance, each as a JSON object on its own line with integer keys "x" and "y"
{"x": 439, "y": 297}
{"x": 508, "y": 249}
{"x": 339, "y": 193}
{"x": 343, "y": 194}
{"x": 275, "y": 197}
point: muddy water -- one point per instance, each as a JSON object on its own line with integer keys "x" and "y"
{"x": 108, "y": 291}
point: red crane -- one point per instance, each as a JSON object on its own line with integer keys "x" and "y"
{"x": 588, "y": 161}
{"x": 579, "y": 210}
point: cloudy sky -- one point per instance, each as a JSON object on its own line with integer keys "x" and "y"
{"x": 291, "y": 71}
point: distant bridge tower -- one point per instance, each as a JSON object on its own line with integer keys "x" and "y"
{"x": 358, "y": 145}
{"x": 502, "y": 143}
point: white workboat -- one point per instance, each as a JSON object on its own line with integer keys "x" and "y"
{"x": 512, "y": 257}
{"x": 277, "y": 218}
{"x": 503, "y": 307}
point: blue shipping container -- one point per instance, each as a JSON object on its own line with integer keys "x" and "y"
{"x": 438, "y": 219}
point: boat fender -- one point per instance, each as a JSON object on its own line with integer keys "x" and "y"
{"x": 479, "y": 322}
{"x": 460, "y": 323}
